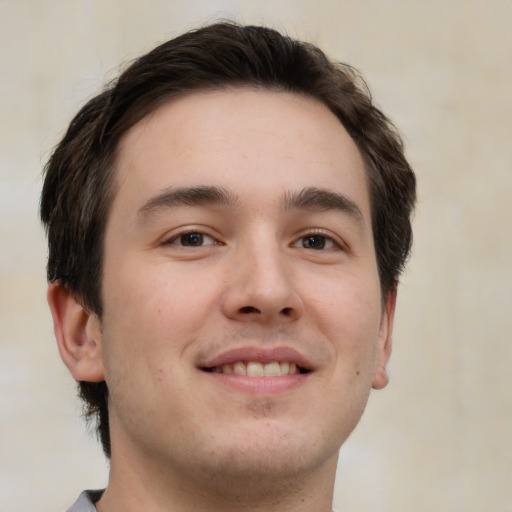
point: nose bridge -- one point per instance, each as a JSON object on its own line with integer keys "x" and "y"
{"x": 266, "y": 273}
{"x": 262, "y": 284}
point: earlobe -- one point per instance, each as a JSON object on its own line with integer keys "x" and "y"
{"x": 78, "y": 334}
{"x": 381, "y": 377}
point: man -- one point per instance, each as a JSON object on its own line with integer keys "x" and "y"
{"x": 227, "y": 224}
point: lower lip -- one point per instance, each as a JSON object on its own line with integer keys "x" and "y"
{"x": 260, "y": 385}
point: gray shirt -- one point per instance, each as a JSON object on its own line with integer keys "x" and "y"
{"x": 85, "y": 502}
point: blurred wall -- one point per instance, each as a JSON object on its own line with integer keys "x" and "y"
{"x": 439, "y": 437}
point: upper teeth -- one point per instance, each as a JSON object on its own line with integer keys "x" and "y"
{"x": 255, "y": 369}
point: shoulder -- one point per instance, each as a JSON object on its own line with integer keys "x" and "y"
{"x": 85, "y": 502}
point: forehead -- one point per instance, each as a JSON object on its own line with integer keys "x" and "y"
{"x": 249, "y": 140}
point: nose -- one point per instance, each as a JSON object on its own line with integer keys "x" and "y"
{"x": 261, "y": 287}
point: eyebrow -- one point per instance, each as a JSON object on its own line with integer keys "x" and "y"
{"x": 313, "y": 198}
{"x": 188, "y": 196}
{"x": 310, "y": 198}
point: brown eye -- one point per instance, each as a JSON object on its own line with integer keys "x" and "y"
{"x": 314, "y": 242}
{"x": 192, "y": 239}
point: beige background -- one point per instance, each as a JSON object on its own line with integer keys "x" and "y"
{"x": 439, "y": 437}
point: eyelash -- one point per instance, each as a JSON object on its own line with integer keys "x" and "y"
{"x": 313, "y": 234}
{"x": 318, "y": 234}
{"x": 181, "y": 236}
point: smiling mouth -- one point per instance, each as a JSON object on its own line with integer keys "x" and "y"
{"x": 257, "y": 369}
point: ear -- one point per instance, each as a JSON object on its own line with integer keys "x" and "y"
{"x": 381, "y": 377}
{"x": 78, "y": 334}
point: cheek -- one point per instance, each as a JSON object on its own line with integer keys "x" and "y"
{"x": 158, "y": 308}
{"x": 149, "y": 321}
{"x": 350, "y": 316}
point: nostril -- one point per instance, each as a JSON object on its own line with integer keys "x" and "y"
{"x": 286, "y": 311}
{"x": 249, "y": 309}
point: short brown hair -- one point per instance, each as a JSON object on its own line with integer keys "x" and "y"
{"x": 78, "y": 185}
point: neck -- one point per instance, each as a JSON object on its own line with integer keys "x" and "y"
{"x": 135, "y": 485}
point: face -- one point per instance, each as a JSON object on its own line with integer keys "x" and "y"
{"x": 243, "y": 324}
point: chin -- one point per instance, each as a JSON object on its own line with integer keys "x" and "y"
{"x": 260, "y": 471}
{"x": 273, "y": 451}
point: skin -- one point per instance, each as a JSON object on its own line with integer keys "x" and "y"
{"x": 269, "y": 273}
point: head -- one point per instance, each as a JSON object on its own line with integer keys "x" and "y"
{"x": 80, "y": 181}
